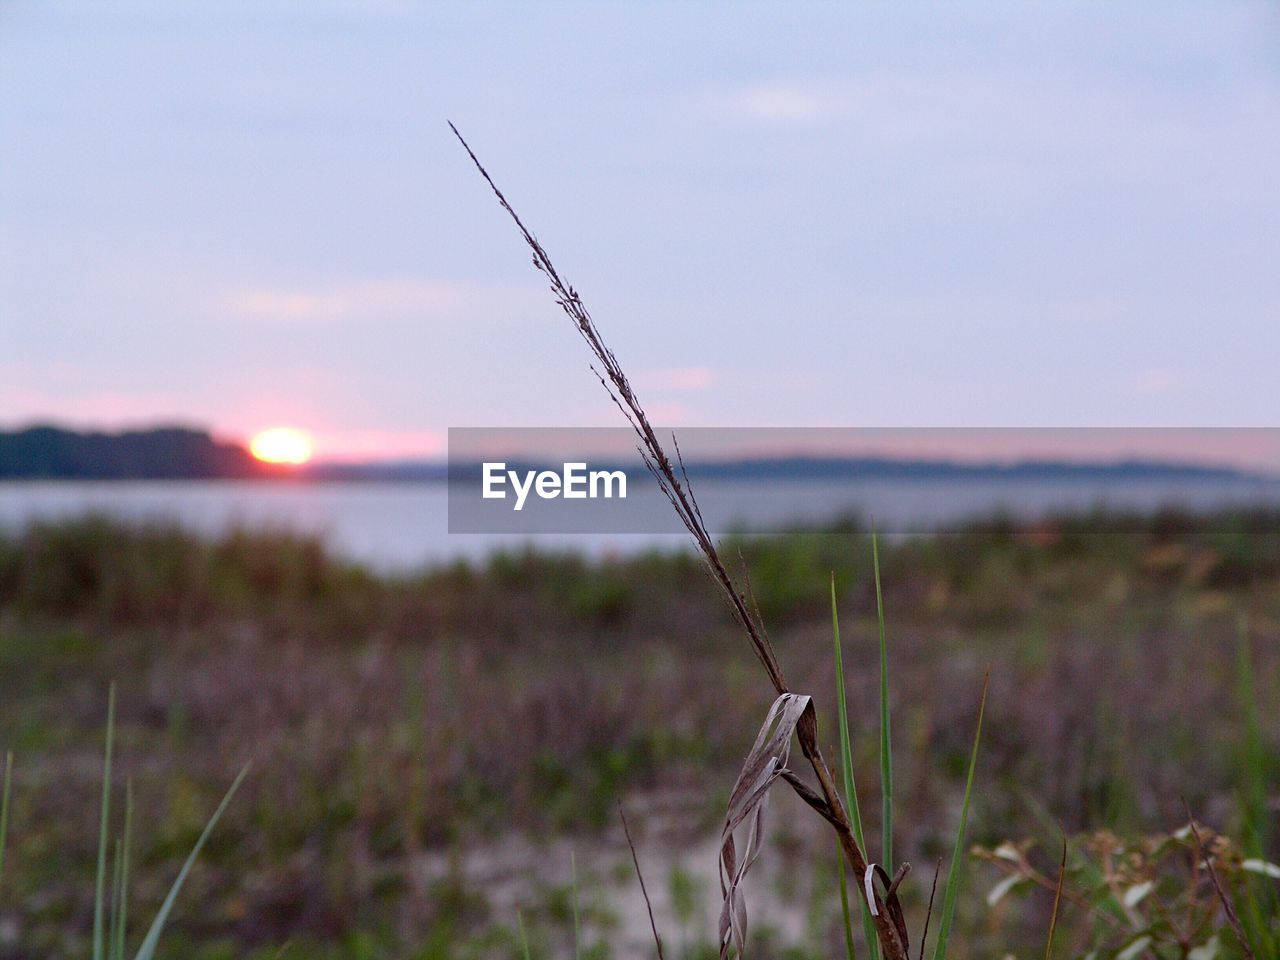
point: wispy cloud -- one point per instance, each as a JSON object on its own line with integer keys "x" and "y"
{"x": 791, "y": 101}
{"x": 668, "y": 414}
{"x": 382, "y": 297}
{"x": 362, "y": 445}
{"x": 1056, "y": 108}
{"x": 63, "y": 392}
{"x": 1159, "y": 382}
{"x": 676, "y": 378}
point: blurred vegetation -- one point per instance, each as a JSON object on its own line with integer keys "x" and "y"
{"x": 1155, "y": 895}
{"x": 397, "y": 724}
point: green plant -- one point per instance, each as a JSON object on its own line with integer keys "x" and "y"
{"x": 850, "y": 787}
{"x": 111, "y": 902}
{"x": 1260, "y": 898}
{"x": 952, "y": 889}
{"x": 4, "y": 807}
{"x": 1164, "y": 895}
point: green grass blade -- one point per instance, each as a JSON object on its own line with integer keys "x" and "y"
{"x": 886, "y": 747}
{"x": 148, "y": 949}
{"x": 849, "y": 950}
{"x": 577, "y": 923}
{"x": 524, "y": 938}
{"x": 124, "y": 870}
{"x": 113, "y": 927}
{"x": 99, "y": 916}
{"x": 846, "y": 749}
{"x": 1253, "y": 777}
{"x": 957, "y": 853}
{"x": 1057, "y": 901}
{"x": 4, "y": 807}
{"x": 1253, "y": 774}
{"x": 1092, "y": 877}
{"x": 846, "y": 766}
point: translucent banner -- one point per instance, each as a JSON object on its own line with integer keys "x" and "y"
{"x": 905, "y": 480}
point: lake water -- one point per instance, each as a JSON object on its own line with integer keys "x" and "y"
{"x": 399, "y": 526}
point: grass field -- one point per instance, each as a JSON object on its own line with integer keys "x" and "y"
{"x": 430, "y": 750}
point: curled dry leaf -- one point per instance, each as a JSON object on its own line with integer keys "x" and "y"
{"x": 747, "y": 804}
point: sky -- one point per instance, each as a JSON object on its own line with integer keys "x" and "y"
{"x": 243, "y": 215}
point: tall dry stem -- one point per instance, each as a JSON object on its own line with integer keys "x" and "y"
{"x": 675, "y": 486}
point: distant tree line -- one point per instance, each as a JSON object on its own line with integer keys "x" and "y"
{"x": 165, "y": 453}
{"x": 185, "y": 453}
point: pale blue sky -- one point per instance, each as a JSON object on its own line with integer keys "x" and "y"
{"x": 243, "y": 214}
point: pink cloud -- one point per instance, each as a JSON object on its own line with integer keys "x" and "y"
{"x": 343, "y": 302}
{"x": 678, "y": 378}
{"x": 359, "y": 445}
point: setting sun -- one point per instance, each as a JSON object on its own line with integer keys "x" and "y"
{"x": 281, "y": 445}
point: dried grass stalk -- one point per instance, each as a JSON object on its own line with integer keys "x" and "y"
{"x": 675, "y": 486}
{"x": 1228, "y": 907}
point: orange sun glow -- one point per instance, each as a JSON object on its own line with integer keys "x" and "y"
{"x": 281, "y": 445}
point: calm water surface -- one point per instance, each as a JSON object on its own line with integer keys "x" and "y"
{"x": 398, "y": 526}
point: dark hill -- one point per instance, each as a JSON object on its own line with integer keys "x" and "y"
{"x": 164, "y": 453}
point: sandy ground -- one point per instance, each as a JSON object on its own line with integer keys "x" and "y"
{"x": 789, "y": 897}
